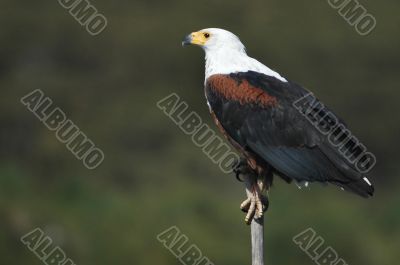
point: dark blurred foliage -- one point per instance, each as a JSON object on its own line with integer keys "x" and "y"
{"x": 153, "y": 176}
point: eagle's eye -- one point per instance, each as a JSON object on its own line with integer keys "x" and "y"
{"x": 207, "y": 35}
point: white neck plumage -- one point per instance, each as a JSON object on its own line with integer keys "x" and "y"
{"x": 226, "y": 60}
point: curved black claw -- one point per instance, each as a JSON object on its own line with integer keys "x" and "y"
{"x": 237, "y": 175}
{"x": 240, "y": 167}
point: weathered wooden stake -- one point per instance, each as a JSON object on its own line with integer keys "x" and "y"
{"x": 257, "y": 241}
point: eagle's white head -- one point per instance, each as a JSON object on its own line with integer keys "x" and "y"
{"x": 215, "y": 40}
{"x": 225, "y": 53}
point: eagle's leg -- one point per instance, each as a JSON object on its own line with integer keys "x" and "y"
{"x": 256, "y": 183}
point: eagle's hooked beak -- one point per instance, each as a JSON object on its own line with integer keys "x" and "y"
{"x": 187, "y": 40}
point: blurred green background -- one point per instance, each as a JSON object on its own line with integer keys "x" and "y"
{"x": 153, "y": 176}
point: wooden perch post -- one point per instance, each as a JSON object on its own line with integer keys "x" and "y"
{"x": 257, "y": 241}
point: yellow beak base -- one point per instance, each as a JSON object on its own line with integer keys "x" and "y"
{"x": 195, "y": 38}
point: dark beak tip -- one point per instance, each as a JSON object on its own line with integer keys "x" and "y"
{"x": 187, "y": 41}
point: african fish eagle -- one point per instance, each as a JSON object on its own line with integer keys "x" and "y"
{"x": 254, "y": 108}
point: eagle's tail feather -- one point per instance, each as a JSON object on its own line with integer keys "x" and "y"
{"x": 361, "y": 187}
